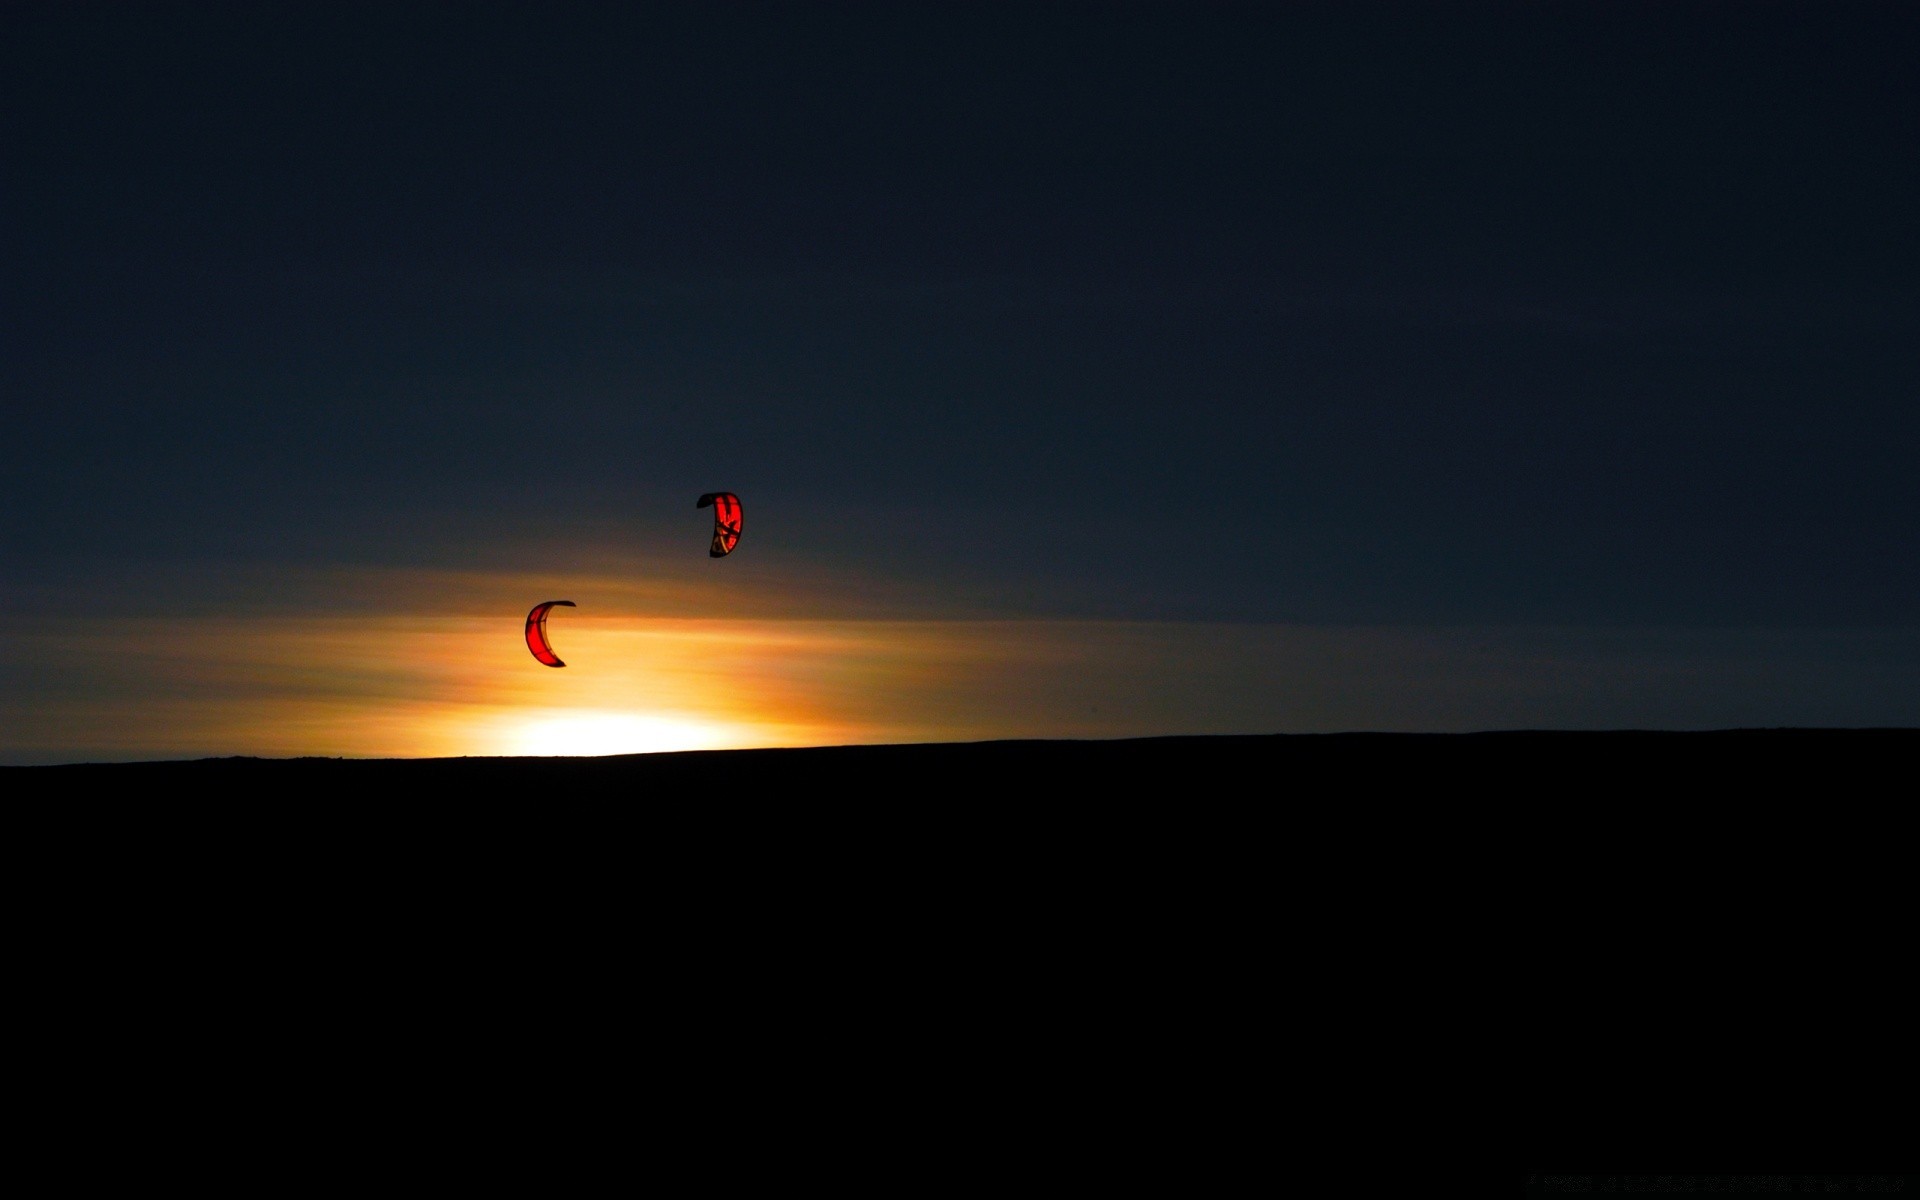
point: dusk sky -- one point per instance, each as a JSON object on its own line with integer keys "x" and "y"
{"x": 1084, "y": 369}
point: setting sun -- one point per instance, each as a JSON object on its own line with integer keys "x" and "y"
{"x": 590, "y": 732}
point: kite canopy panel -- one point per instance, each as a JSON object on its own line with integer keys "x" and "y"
{"x": 726, "y": 522}
{"x": 537, "y": 632}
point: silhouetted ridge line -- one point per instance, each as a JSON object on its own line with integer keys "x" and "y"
{"x": 1202, "y": 761}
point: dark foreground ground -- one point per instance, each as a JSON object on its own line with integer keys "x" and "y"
{"x": 933, "y": 805}
{"x": 928, "y": 806}
{"x": 1151, "y": 955}
{"x": 1227, "y": 823}
{"x": 1521, "y": 763}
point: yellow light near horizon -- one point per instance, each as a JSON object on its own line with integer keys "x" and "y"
{"x": 429, "y": 686}
{"x": 591, "y": 733}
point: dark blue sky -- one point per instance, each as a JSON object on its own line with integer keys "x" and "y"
{"x": 1584, "y": 314}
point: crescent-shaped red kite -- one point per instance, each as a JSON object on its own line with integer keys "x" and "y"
{"x": 537, "y": 632}
{"x": 726, "y": 522}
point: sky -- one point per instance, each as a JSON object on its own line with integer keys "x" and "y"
{"x": 1084, "y": 369}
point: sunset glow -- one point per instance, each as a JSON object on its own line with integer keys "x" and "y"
{"x": 460, "y": 682}
{"x": 599, "y": 733}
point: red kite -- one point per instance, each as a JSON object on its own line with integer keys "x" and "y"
{"x": 537, "y": 632}
{"x": 726, "y": 522}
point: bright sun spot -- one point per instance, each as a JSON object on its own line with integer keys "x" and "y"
{"x": 594, "y": 733}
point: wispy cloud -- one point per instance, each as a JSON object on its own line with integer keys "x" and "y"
{"x": 443, "y": 670}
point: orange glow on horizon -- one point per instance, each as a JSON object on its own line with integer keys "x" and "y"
{"x": 413, "y": 686}
{"x": 429, "y": 687}
{"x": 444, "y": 671}
{"x": 385, "y": 685}
{"x": 592, "y": 732}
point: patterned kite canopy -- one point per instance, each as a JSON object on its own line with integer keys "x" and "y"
{"x": 726, "y": 522}
{"x": 537, "y": 632}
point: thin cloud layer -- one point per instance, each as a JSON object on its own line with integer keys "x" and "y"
{"x": 430, "y": 676}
